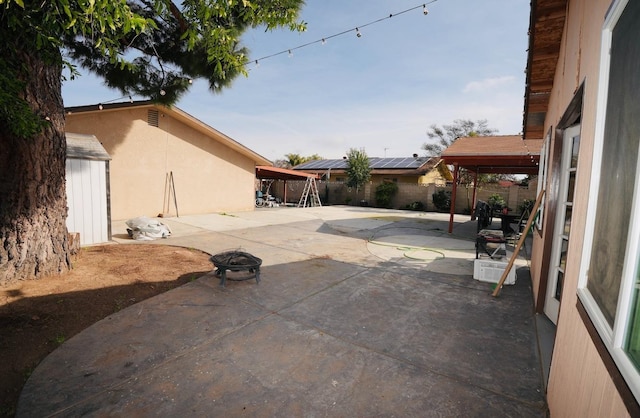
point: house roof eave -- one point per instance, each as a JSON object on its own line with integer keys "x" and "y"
{"x": 546, "y": 28}
{"x": 181, "y": 115}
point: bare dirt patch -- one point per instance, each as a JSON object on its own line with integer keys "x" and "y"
{"x": 37, "y": 316}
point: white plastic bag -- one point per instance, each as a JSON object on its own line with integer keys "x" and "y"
{"x": 147, "y": 229}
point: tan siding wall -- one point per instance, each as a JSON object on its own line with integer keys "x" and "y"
{"x": 536, "y": 262}
{"x": 208, "y": 175}
{"x": 579, "y": 384}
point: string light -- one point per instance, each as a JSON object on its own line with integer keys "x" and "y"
{"x": 289, "y": 51}
{"x": 119, "y": 99}
{"x": 324, "y": 39}
{"x": 530, "y": 154}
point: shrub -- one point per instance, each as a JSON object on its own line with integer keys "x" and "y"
{"x": 442, "y": 200}
{"x": 496, "y": 202}
{"x": 526, "y": 205}
{"x": 415, "y": 206}
{"x": 385, "y": 193}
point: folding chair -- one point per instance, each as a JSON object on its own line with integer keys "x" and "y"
{"x": 489, "y": 241}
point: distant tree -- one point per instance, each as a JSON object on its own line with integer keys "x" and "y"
{"x": 281, "y": 163}
{"x": 358, "y": 168}
{"x": 293, "y": 160}
{"x": 446, "y": 135}
{"x": 495, "y": 178}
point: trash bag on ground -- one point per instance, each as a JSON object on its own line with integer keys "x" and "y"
{"x": 147, "y": 229}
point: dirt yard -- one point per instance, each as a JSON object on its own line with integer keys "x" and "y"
{"x": 37, "y": 316}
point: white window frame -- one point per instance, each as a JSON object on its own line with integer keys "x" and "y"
{"x": 614, "y": 338}
{"x": 542, "y": 177}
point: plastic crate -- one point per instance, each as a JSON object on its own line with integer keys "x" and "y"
{"x": 491, "y": 271}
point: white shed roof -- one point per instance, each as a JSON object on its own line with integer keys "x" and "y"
{"x": 85, "y": 147}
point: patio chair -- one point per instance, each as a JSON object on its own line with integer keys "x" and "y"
{"x": 489, "y": 241}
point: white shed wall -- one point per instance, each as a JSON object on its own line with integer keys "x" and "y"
{"x": 87, "y": 200}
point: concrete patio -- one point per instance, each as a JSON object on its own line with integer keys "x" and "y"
{"x": 360, "y": 312}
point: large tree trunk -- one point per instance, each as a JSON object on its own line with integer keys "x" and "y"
{"x": 33, "y": 204}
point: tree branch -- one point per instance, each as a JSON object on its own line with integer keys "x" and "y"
{"x": 179, "y": 17}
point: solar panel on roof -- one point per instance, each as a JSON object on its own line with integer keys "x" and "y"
{"x": 374, "y": 163}
{"x": 322, "y": 165}
{"x": 384, "y": 163}
{"x": 397, "y": 163}
{"x": 378, "y": 163}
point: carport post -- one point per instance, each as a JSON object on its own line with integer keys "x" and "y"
{"x": 453, "y": 196}
{"x": 473, "y": 199}
{"x": 285, "y": 193}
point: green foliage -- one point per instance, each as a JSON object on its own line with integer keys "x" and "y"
{"x": 358, "y": 169}
{"x": 442, "y": 200}
{"x": 152, "y": 49}
{"x": 15, "y": 114}
{"x": 50, "y": 25}
{"x": 293, "y": 160}
{"x": 526, "y": 205}
{"x": 496, "y": 202}
{"x": 417, "y": 205}
{"x": 385, "y": 193}
{"x": 59, "y": 339}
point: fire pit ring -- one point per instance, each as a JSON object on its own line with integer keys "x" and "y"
{"x": 236, "y": 261}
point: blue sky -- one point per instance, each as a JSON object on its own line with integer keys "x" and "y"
{"x": 381, "y": 91}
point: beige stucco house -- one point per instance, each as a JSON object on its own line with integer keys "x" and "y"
{"x": 164, "y": 161}
{"x": 583, "y": 99}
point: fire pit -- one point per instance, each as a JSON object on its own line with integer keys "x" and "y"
{"x": 236, "y": 261}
